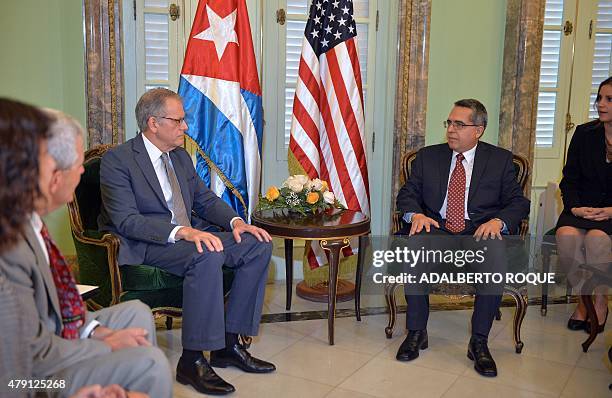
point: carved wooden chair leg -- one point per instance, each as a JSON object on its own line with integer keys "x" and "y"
{"x": 520, "y": 297}
{"x": 545, "y": 270}
{"x": 168, "y": 323}
{"x": 392, "y": 307}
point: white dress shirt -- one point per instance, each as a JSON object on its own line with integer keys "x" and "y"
{"x": 160, "y": 171}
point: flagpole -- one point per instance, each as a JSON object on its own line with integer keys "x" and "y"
{"x": 261, "y": 43}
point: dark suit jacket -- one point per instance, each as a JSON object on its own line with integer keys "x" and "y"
{"x": 133, "y": 204}
{"x": 494, "y": 191}
{"x": 585, "y": 181}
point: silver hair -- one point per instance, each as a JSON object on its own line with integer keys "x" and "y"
{"x": 153, "y": 103}
{"x": 63, "y": 134}
{"x": 479, "y": 112}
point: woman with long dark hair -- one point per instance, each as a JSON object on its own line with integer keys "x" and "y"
{"x": 585, "y": 225}
{"x": 23, "y": 134}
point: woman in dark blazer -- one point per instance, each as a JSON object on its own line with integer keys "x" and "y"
{"x": 585, "y": 225}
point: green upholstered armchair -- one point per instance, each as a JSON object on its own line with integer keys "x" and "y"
{"x": 97, "y": 255}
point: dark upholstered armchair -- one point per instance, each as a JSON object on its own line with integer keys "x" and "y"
{"x": 457, "y": 291}
{"x": 97, "y": 255}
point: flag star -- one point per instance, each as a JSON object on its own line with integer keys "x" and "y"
{"x": 318, "y": 5}
{"x": 351, "y": 29}
{"x": 345, "y": 10}
{"x": 315, "y": 33}
{"x": 335, "y": 3}
{"x": 317, "y": 19}
{"x": 337, "y": 35}
{"x": 342, "y": 21}
{"x": 328, "y": 29}
{"x": 332, "y": 17}
{"x": 325, "y": 42}
{"x": 221, "y": 31}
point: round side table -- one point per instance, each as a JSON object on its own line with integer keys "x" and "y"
{"x": 333, "y": 229}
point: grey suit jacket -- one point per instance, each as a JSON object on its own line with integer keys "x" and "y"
{"x": 133, "y": 204}
{"x": 15, "y": 357}
{"x": 26, "y": 269}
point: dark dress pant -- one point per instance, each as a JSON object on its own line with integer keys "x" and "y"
{"x": 204, "y": 320}
{"x": 488, "y": 296}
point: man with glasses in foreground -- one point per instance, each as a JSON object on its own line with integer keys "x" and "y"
{"x": 462, "y": 192}
{"x": 165, "y": 217}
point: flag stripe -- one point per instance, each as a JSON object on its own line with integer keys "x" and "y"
{"x": 352, "y": 50}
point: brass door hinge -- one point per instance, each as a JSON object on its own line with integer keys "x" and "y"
{"x": 174, "y": 11}
{"x": 281, "y": 16}
{"x": 377, "y": 20}
{"x": 568, "y": 123}
{"x": 568, "y": 28}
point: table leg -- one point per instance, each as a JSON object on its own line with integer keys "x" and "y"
{"x": 334, "y": 247}
{"x": 289, "y": 271}
{"x": 587, "y": 299}
{"x": 363, "y": 244}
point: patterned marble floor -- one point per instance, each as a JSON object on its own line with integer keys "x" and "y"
{"x": 362, "y": 362}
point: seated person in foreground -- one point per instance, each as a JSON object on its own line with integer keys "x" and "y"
{"x": 462, "y": 188}
{"x": 149, "y": 190}
{"x": 586, "y": 220}
{"x": 66, "y": 342}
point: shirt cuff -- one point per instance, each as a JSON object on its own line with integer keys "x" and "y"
{"x": 408, "y": 217}
{"x": 504, "y": 230}
{"x": 86, "y": 331}
{"x": 171, "y": 238}
{"x": 232, "y": 221}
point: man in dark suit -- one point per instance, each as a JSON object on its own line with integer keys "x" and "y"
{"x": 463, "y": 192}
{"x": 164, "y": 216}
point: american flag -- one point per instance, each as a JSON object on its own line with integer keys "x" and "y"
{"x": 328, "y": 129}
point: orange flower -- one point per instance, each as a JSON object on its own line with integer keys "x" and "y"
{"x": 325, "y": 186}
{"x": 312, "y": 198}
{"x": 272, "y": 194}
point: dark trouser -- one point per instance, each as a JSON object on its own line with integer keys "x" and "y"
{"x": 488, "y": 296}
{"x": 204, "y": 320}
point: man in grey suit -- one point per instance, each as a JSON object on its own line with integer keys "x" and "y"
{"x": 113, "y": 345}
{"x": 165, "y": 217}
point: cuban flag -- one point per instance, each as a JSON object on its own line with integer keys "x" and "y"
{"x": 222, "y": 100}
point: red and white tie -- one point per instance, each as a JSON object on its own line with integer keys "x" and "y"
{"x": 455, "y": 206}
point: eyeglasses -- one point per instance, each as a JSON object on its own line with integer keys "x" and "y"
{"x": 177, "y": 121}
{"x": 459, "y": 125}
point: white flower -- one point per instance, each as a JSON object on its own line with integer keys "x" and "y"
{"x": 293, "y": 184}
{"x": 302, "y": 179}
{"x": 329, "y": 197}
{"x": 315, "y": 185}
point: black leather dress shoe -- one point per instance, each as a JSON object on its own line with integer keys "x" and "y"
{"x": 202, "y": 377}
{"x": 415, "y": 341}
{"x": 236, "y": 355}
{"x": 478, "y": 351}
{"x": 576, "y": 324}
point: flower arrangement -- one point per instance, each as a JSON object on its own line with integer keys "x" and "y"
{"x": 300, "y": 194}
